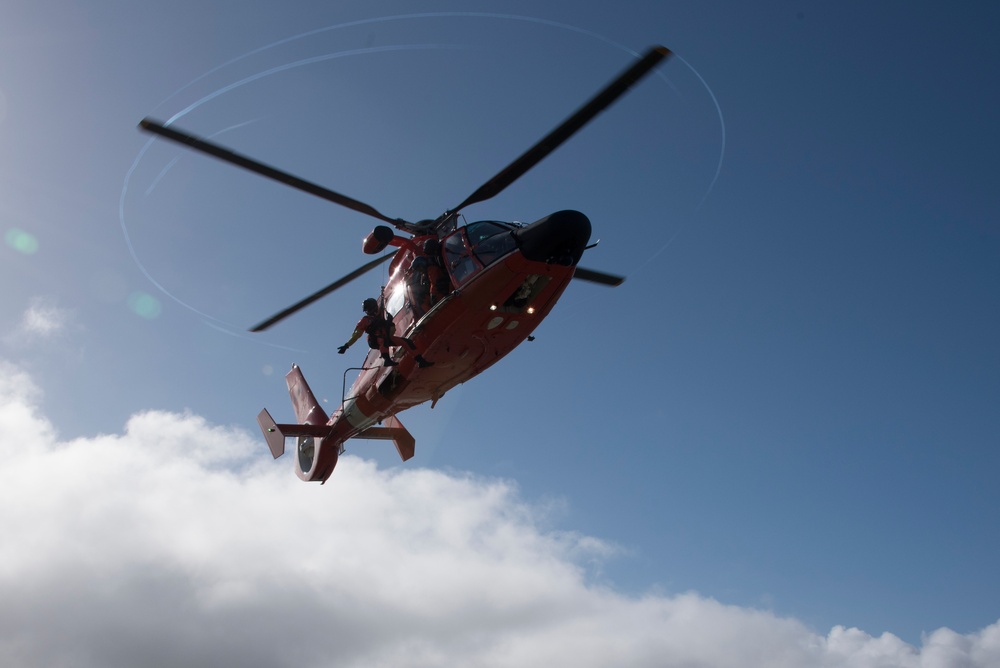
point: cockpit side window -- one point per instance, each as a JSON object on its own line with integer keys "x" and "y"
{"x": 461, "y": 263}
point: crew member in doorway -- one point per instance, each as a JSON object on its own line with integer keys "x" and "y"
{"x": 379, "y": 329}
{"x": 437, "y": 278}
{"x": 426, "y": 281}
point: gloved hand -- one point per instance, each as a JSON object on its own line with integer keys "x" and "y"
{"x": 342, "y": 349}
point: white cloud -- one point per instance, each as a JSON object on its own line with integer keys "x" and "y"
{"x": 42, "y": 319}
{"x": 181, "y": 543}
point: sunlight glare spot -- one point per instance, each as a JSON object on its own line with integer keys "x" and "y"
{"x": 21, "y": 241}
{"x": 144, "y": 305}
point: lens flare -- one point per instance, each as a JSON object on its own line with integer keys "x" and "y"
{"x": 145, "y": 305}
{"x": 21, "y": 241}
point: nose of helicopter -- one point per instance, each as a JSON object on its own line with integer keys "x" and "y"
{"x": 559, "y": 238}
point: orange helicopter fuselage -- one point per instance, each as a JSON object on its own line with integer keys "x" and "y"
{"x": 497, "y": 298}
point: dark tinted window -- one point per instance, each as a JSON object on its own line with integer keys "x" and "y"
{"x": 490, "y": 240}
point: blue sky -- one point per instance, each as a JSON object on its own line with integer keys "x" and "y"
{"x": 788, "y": 409}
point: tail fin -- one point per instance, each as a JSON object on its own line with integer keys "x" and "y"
{"x": 307, "y": 409}
{"x": 272, "y": 434}
{"x": 316, "y": 452}
{"x": 308, "y": 413}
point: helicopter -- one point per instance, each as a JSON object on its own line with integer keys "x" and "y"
{"x": 492, "y": 285}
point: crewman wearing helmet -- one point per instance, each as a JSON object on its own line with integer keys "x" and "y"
{"x": 379, "y": 329}
{"x": 439, "y": 285}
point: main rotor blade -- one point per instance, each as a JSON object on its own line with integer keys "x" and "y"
{"x": 598, "y": 277}
{"x": 278, "y": 317}
{"x": 232, "y": 157}
{"x": 568, "y": 128}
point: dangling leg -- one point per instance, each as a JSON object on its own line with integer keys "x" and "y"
{"x": 386, "y": 360}
{"x": 399, "y": 341}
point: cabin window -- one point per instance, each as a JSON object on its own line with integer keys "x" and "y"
{"x": 461, "y": 263}
{"x": 395, "y": 300}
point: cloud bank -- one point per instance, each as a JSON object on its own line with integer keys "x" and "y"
{"x": 179, "y": 542}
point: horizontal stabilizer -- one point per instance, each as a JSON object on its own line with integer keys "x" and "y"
{"x": 393, "y": 431}
{"x": 275, "y": 434}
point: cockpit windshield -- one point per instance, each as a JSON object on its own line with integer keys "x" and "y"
{"x": 490, "y": 240}
{"x": 477, "y": 245}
